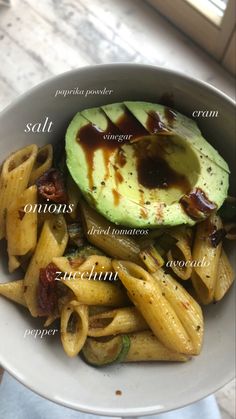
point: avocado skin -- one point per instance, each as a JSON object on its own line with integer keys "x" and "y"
{"x": 204, "y": 166}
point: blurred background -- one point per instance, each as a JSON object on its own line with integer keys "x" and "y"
{"x": 42, "y": 38}
{"x": 39, "y": 39}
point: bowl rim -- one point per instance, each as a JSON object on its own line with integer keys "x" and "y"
{"x": 105, "y": 67}
{"x": 125, "y": 412}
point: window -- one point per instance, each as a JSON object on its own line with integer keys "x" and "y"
{"x": 211, "y": 23}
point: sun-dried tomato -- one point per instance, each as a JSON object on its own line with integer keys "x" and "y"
{"x": 51, "y": 186}
{"x": 47, "y": 290}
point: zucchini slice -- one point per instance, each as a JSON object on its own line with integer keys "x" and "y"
{"x": 100, "y": 352}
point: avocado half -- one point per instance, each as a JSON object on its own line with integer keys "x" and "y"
{"x": 145, "y": 165}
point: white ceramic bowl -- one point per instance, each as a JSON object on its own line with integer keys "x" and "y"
{"x": 41, "y": 364}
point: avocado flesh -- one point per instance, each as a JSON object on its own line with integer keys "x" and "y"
{"x": 180, "y": 125}
{"x": 127, "y": 202}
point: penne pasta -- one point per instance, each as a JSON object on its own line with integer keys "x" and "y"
{"x": 144, "y": 346}
{"x": 225, "y": 277}
{"x": 14, "y": 179}
{"x": 73, "y": 196}
{"x": 116, "y": 246}
{"x": 21, "y": 226}
{"x": 14, "y": 291}
{"x": 151, "y": 258}
{"x": 187, "y": 309}
{"x": 76, "y": 266}
{"x": 145, "y": 292}
{"x": 74, "y": 327}
{"x": 99, "y": 293}
{"x": 114, "y": 322}
{"x": 134, "y": 347}
{"x": 52, "y": 242}
{"x": 179, "y": 256}
{"x": 107, "y": 283}
{"x": 13, "y": 263}
{"x": 43, "y": 162}
{"x": 204, "y": 277}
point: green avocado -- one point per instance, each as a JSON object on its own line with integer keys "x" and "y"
{"x": 144, "y": 165}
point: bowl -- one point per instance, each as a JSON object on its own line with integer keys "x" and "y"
{"x": 41, "y": 364}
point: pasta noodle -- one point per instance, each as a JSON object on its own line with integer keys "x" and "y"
{"x": 225, "y": 277}
{"x": 115, "y": 301}
{"x": 180, "y": 252}
{"x": 204, "y": 277}
{"x": 14, "y": 179}
{"x": 187, "y": 309}
{"x": 14, "y": 291}
{"x": 121, "y": 320}
{"x": 117, "y": 246}
{"x": 43, "y": 162}
{"x": 144, "y": 346}
{"x": 52, "y": 242}
{"x": 13, "y": 263}
{"x": 73, "y": 196}
{"x": 146, "y": 294}
{"x": 21, "y": 226}
{"x": 74, "y": 327}
{"x": 92, "y": 292}
{"x": 94, "y": 263}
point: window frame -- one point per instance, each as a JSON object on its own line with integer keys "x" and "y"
{"x": 212, "y": 37}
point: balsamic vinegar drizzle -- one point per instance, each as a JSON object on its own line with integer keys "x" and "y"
{"x": 153, "y": 170}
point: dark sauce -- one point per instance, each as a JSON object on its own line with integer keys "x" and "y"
{"x": 197, "y": 205}
{"x": 118, "y": 176}
{"x": 116, "y": 197}
{"x": 120, "y": 158}
{"x": 155, "y": 172}
{"x": 91, "y": 139}
{"x": 129, "y": 125}
{"x": 155, "y": 125}
{"x": 170, "y": 116}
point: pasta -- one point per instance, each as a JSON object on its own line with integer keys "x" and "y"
{"x": 14, "y": 179}
{"x": 52, "y": 242}
{"x": 76, "y": 266}
{"x": 144, "y": 346}
{"x": 134, "y": 347}
{"x": 181, "y": 252}
{"x": 187, "y": 309}
{"x": 14, "y": 291}
{"x": 114, "y": 322}
{"x": 147, "y": 296}
{"x": 74, "y": 327}
{"x": 117, "y": 246}
{"x": 119, "y": 297}
{"x": 21, "y": 226}
{"x": 92, "y": 292}
{"x": 73, "y": 196}
{"x": 225, "y": 277}
{"x": 204, "y": 277}
{"x": 43, "y": 162}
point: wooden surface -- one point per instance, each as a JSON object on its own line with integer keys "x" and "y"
{"x": 40, "y": 38}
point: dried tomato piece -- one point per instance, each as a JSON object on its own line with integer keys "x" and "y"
{"x": 47, "y": 290}
{"x": 51, "y": 186}
{"x": 197, "y": 205}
